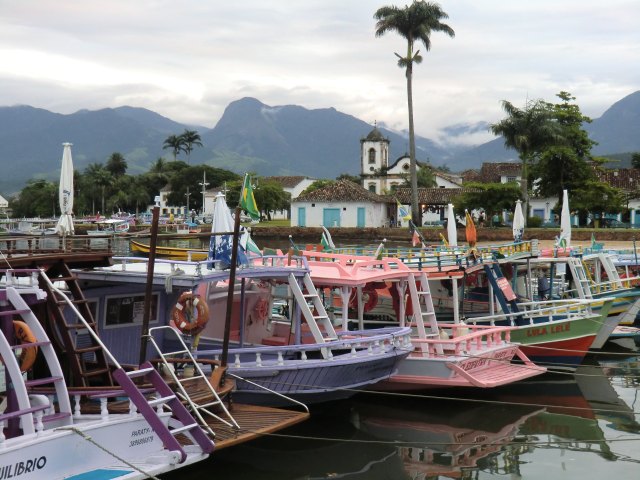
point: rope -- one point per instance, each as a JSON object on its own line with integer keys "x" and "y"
{"x": 90, "y": 440}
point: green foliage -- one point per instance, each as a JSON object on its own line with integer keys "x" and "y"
{"x": 37, "y": 198}
{"x": 116, "y": 164}
{"x": 635, "y": 159}
{"x": 492, "y": 197}
{"x": 186, "y": 177}
{"x": 534, "y": 222}
{"x": 352, "y": 178}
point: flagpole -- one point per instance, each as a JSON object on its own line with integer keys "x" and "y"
{"x": 230, "y": 291}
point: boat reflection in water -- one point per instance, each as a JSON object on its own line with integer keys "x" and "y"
{"x": 449, "y": 438}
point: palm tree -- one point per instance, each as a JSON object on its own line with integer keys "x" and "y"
{"x": 190, "y": 138}
{"x": 527, "y": 131}
{"x": 173, "y": 142}
{"x": 415, "y": 23}
{"x": 116, "y": 164}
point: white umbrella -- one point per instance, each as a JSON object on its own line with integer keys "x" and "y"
{"x": 221, "y": 246}
{"x": 65, "y": 223}
{"x": 518, "y": 222}
{"x": 452, "y": 234}
{"x": 565, "y": 221}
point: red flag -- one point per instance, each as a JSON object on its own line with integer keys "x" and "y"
{"x": 415, "y": 240}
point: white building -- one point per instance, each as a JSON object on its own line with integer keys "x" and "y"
{"x": 294, "y": 186}
{"x": 341, "y": 204}
{"x": 165, "y": 208}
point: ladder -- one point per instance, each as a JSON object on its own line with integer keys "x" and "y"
{"x": 88, "y": 363}
{"x": 581, "y": 276}
{"x": 19, "y": 307}
{"x": 211, "y": 398}
{"x": 321, "y": 318}
{"x": 164, "y": 397}
{"x": 495, "y": 276}
{"x": 423, "y": 311}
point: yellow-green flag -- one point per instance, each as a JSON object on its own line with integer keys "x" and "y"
{"x": 248, "y": 201}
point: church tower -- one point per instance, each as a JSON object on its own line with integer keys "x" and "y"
{"x": 374, "y": 160}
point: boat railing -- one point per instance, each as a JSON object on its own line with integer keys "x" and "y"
{"x": 26, "y": 245}
{"x": 463, "y": 340}
{"x": 355, "y": 341}
{"x": 442, "y": 256}
{"x": 550, "y": 310}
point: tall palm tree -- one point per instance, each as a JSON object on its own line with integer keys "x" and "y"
{"x": 415, "y": 23}
{"x": 190, "y": 139}
{"x": 116, "y": 164}
{"x": 174, "y": 143}
{"x": 527, "y": 131}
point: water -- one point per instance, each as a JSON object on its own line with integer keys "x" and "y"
{"x": 569, "y": 426}
{"x": 560, "y": 426}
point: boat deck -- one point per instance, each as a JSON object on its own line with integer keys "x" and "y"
{"x": 254, "y": 422}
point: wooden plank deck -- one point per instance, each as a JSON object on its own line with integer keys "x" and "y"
{"x": 254, "y": 422}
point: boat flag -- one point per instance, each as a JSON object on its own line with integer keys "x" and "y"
{"x": 324, "y": 242}
{"x": 415, "y": 240}
{"x": 247, "y": 243}
{"x": 402, "y": 212}
{"x": 328, "y": 238}
{"x": 247, "y": 199}
{"x": 380, "y": 250}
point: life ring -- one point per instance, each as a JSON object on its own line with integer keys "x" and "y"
{"x": 190, "y": 314}
{"x": 24, "y": 334}
{"x": 369, "y": 296}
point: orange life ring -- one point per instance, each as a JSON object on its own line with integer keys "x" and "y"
{"x": 190, "y": 314}
{"x": 25, "y": 335}
{"x": 369, "y": 296}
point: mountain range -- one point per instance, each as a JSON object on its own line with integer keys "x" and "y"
{"x": 252, "y": 136}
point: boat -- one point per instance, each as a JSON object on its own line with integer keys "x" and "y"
{"x": 175, "y": 253}
{"x": 306, "y": 359}
{"x": 110, "y": 226}
{"x": 595, "y": 276}
{"x": 445, "y": 355}
{"x": 51, "y": 436}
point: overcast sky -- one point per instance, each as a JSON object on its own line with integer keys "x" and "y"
{"x": 189, "y": 59}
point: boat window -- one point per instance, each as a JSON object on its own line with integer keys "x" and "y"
{"x": 129, "y": 310}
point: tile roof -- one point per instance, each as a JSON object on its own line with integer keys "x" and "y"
{"x": 287, "y": 181}
{"x": 430, "y": 196}
{"x": 627, "y": 179}
{"x": 343, "y": 191}
{"x": 491, "y": 172}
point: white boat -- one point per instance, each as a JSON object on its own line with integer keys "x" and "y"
{"x": 49, "y": 435}
{"x": 110, "y": 226}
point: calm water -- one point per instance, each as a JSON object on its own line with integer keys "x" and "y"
{"x": 572, "y": 426}
{"x": 562, "y": 426}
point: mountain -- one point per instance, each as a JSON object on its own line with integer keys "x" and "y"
{"x": 252, "y": 136}
{"x": 616, "y": 132}
{"x": 289, "y": 140}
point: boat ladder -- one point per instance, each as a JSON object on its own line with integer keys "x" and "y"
{"x": 203, "y": 405}
{"x": 18, "y": 307}
{"x": 316, "y": 318}
{"x": 424, "y": 314}
{"x": 87, "y": 359}
{"x": 503, "y": 291}
{"x": 581, "y": 276}
{"x": 162, "y": 396}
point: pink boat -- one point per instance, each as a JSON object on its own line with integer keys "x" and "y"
{"x": 445, "y": 355}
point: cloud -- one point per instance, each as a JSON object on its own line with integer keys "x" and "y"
{"x": 188, "y": 60}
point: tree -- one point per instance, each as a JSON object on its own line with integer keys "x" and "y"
{"x": 352, "y": 178}
{"x": 635, "y": 159}
{"x": 37, "y": 198}
{"x": 116, "y": 164}
{"x": 492, "y": 197}
{"x": 173, "y": 142}
{"x": 99, "y": 176}
{"x": 565, "y": 164}
{"x": 190, "y": 139}
{"x": 415, "y": 23}
{"x": 527, "y": 131}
